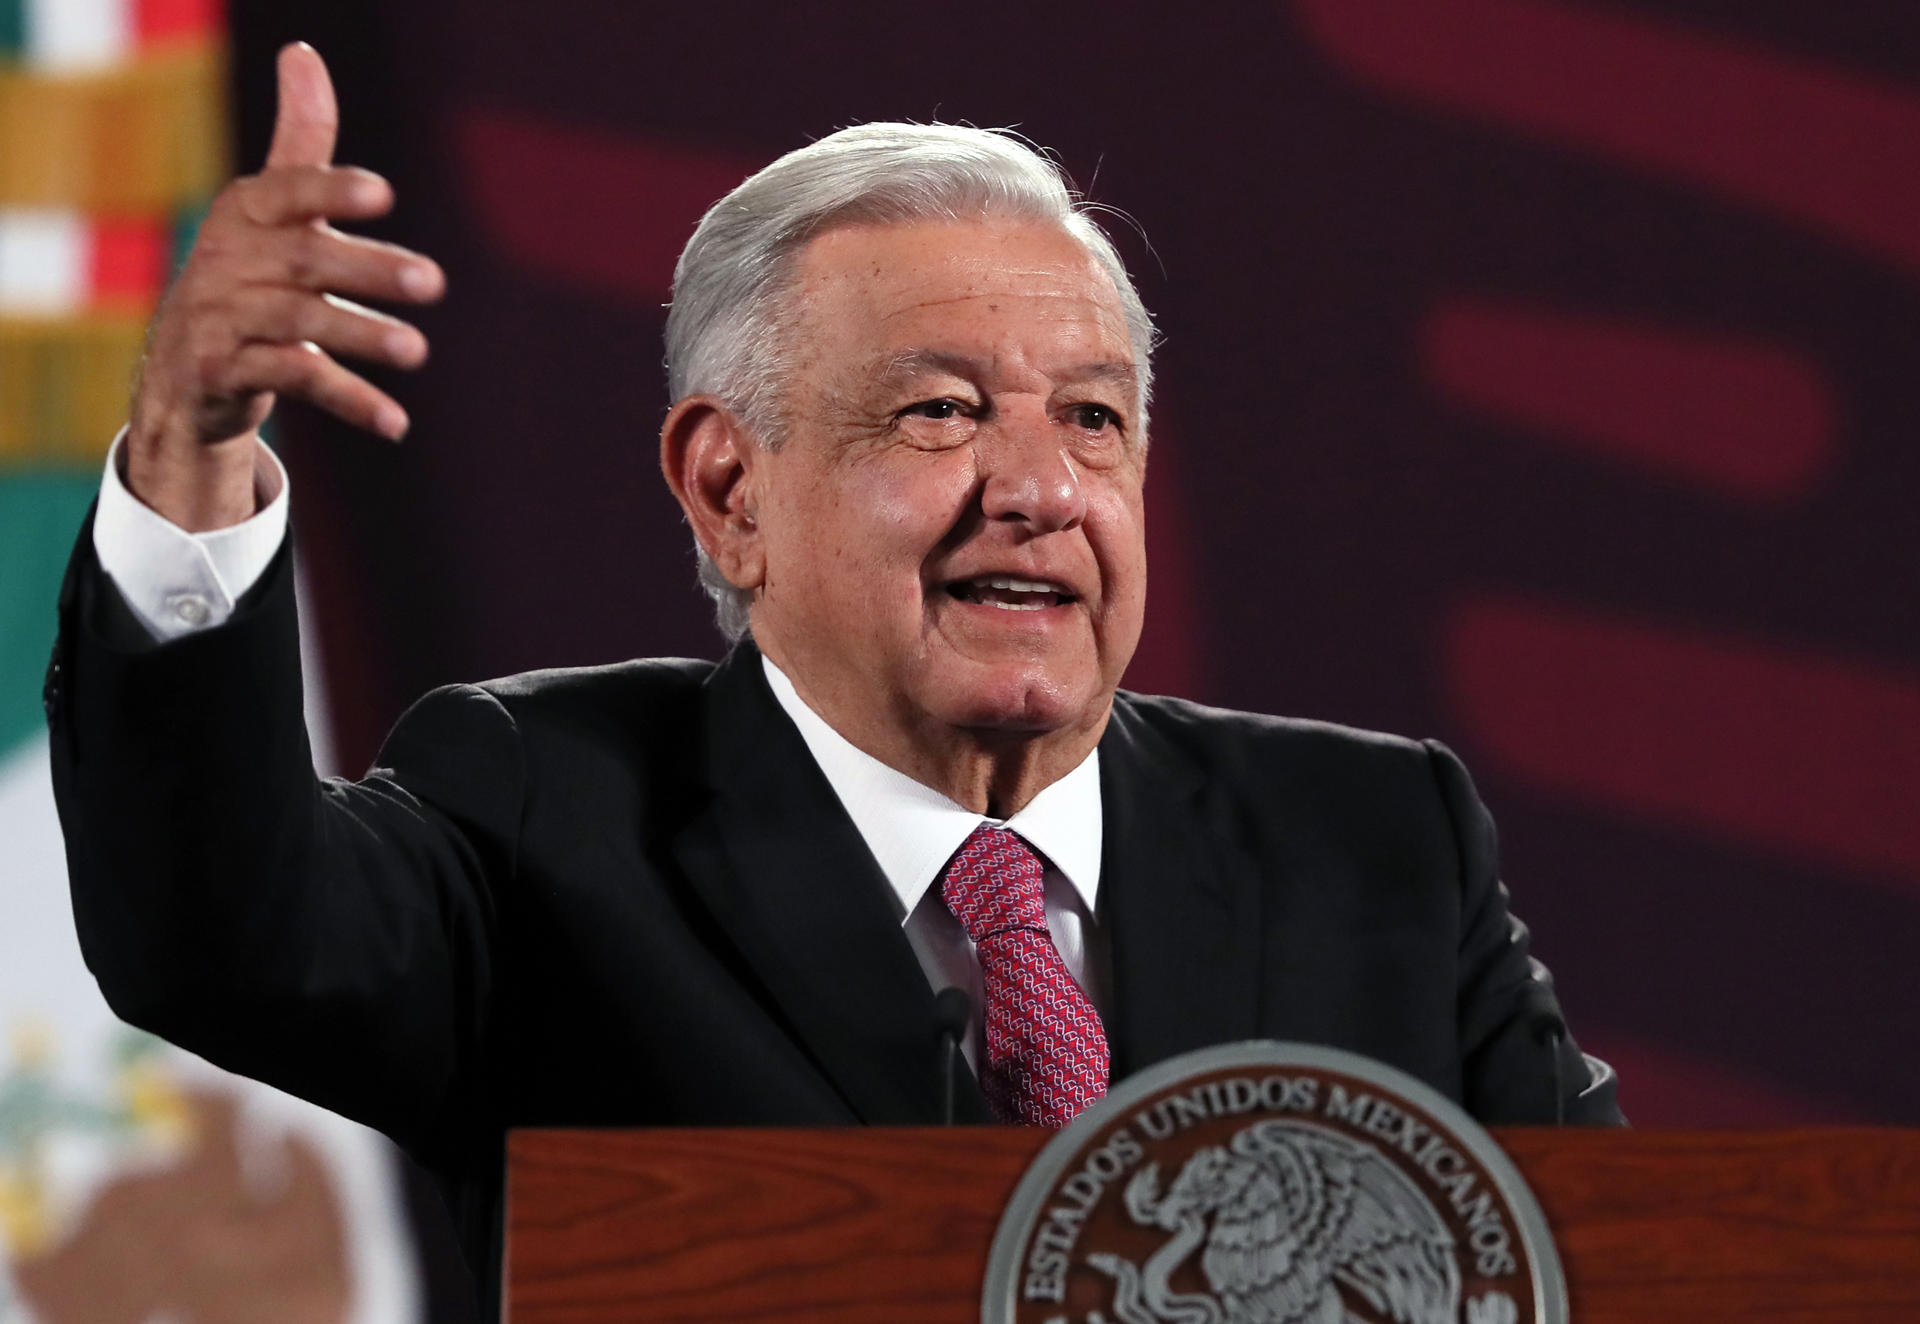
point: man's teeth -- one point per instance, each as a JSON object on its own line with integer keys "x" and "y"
{"x": 1010, "y": 593}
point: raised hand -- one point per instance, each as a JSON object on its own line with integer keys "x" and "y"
{"x": 258, "y": 310}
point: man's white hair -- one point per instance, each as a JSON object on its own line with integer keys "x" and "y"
{"x": 726, "y": 330}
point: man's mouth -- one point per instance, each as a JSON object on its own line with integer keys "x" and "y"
{"x": 1010, "y": 593}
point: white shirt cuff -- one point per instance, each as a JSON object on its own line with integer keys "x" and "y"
{"x": 178, "y": 582}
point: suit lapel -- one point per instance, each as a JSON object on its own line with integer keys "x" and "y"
{"x": 1180, "y": 905}
{"x": 788, "y": 877}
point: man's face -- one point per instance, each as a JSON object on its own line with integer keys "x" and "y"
{"x": 952, "y": 528}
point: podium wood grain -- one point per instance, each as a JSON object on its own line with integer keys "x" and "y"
{"x": 891, "y": 1226}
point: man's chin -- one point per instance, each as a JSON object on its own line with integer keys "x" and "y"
{"x": 1021, "y": 701}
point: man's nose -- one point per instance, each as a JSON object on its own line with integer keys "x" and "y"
{"x": 1030, "y": 477}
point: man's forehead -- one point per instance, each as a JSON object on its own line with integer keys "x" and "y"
{"x": 900, "y": 367}
{"x": 935, "y": 235}
{"x": 990, "y": 299}
{"x": 921, "y": 265}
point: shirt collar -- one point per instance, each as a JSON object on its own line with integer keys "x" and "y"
{"x": 913, "y": 830}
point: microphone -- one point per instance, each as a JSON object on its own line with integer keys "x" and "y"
{"x": 952, "y": 1014}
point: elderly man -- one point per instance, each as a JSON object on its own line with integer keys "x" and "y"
{"x": 909, "y": 434}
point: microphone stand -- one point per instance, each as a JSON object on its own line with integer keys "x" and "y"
{"x": 952, "y": 1014}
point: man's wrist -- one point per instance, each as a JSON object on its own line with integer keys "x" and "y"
{"x": 175, "y": 581}
{"x": 196, "y": 486}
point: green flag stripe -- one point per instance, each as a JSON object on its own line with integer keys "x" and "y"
{"x": 13, "y": 28}
{"x": 39, "y": 518}
{"x": 186, "y": 228}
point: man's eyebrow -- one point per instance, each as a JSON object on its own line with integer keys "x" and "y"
{"x": 911, "y": 363}
{"x": 1105, "y": 370}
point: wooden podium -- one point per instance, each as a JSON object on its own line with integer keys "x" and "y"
{"x": 891, "y": 1226}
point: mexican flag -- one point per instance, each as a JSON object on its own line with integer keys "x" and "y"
{"x": 136, "y": 1181}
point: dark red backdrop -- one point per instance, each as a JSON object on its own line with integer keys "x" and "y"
{"x": 1537, "y": 375}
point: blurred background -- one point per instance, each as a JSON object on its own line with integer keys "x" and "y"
{"x": 1538, "y": 375}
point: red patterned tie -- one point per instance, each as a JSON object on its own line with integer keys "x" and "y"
{"x": 1046, "y": 1052}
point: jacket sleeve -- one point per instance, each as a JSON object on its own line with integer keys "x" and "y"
{"x": 1515, "y": 1047}
{"x": 333, "y": 939}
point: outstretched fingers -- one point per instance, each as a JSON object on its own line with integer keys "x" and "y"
{"x": 310, "y": 373}
{"x": 265, "y": 302}
{"x": 286, "y": 195}
{"x": 325, "y": 259}
{"x": 307, "y": 122}
{"x": 337, "y": 325}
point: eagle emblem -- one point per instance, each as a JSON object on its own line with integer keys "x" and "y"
{"x": 1293, "y": 1224}
{"x": 1273, "y": 1183}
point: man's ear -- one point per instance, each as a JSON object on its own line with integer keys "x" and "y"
{"x": 709, "y": 460}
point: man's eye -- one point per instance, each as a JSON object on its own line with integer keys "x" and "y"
{"x": 934, "y": 409}
{"x": 1094, "y": 418}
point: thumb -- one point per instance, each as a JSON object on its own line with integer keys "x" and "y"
{"x": 308, "y": 119}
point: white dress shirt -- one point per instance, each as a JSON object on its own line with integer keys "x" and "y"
{"x": 913, "y": 831}
{"x": 178, "y": 582}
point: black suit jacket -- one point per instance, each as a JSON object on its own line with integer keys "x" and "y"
{"x": 626, "y": 896}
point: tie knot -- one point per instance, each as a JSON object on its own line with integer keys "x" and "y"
{"x": 995, "y": 882}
